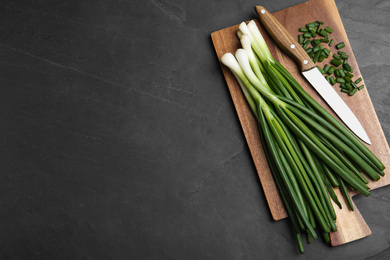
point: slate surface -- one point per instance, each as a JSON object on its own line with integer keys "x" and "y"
{"x": 119, "y": 139}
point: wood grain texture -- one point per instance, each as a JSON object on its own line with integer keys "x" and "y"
{"x": 351, "y": 225}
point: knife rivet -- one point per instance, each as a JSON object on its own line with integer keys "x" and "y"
{"x": 292, "y": 46}
{"x": 305, "y": 62}
{"x": 262, "y": 11}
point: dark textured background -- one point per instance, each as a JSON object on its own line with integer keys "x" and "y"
{"x": 119, "y": 139}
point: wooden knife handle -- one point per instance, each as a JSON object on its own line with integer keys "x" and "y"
{"x": 284, "y": 39}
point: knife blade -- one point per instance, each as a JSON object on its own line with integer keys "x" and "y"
{"x": 309, "y": 70}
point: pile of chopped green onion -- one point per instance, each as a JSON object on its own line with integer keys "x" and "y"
{"x": 309, "y": 152}
{"x": 338, "y": 71}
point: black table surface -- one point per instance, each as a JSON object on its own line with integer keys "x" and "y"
{"x": 119, "y": 139}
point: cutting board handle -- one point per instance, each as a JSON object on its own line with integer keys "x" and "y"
{"x": 351, "y": 225}
{"x": 284, "y": 39}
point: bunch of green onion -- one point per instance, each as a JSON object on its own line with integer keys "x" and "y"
{"x": 309, "y": 152}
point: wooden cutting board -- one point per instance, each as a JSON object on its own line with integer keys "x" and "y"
{"x": 351, "y": 225}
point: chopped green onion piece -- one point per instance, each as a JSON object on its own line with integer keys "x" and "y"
{"x": 340, "y": 80}
{"x": 300, "y": 39}
{"x": 327, "y": 51}
{"x": 348, "y": 74}
{"x": 318, "y": 28}
{"x": 322, "y": 57}
{"x": 305, "y": 44}
{"x": 311, "y": 28}
{"x": 348, "y": 86}
{"x": 330, "y": 43}
{"x": 316, "y": 56}
{"x": 337, "y": 73}
{"x": 342, "y": 85}
{"x": 328, "y": 29}
{"x": 337, "y": 57}
{"x": 319, "y": 22}
{"x": 325, "y": 40}
{"x": 358, "y": 80}
{"x": 326, "y": 67}
{"x": 308, "y": 50}
{"x": 320, "y": 69}
{"x": 353, "y": 91}
{"x": 360, "y": 87}
{"x": 323, "y": 33}
{"x": 336, "y": 62}
{"x": 344, "y": 90}
{"x": 316, "y": 48}
{"x": 316, "y": 42}
{"x": 331, "y": 70}
{"x": 302, "y": 29}
{"x": 332, "y": 80}
{"x": 341, "y": 52}
{"x": 327, "y": 78}
{"x": 344, "y": 56}
{"x": 354, "y": 85}
{"x": 347, "y": 67}
{"x": 340, "y": 45}
{"x": 313, "y": 24}
{"x": 307, "y": 35}
{"x": 347, "y": 79}
{"x": 342, "y": 73}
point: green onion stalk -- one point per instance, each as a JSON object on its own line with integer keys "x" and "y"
{"x": 309, "y": 152}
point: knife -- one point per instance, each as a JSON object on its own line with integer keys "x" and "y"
{"x": 309, "y": 70}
